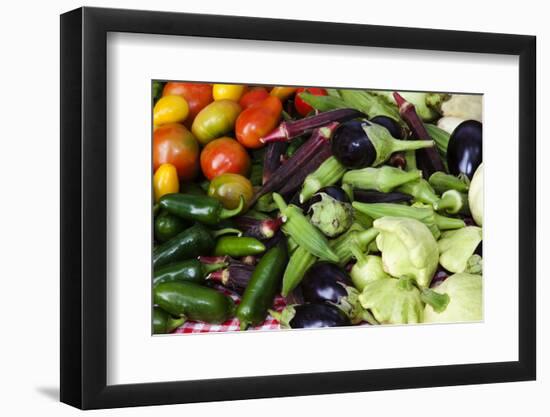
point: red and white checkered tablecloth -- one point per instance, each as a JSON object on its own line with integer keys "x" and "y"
{"x": 231, "y": 325}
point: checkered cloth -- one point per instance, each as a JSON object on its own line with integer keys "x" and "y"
{"x": 232, "y": 325}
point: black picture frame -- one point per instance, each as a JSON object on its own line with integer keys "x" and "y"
{"x": 84, "y": 207}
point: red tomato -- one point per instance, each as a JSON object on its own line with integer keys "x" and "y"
{"x": 301, "y": 106}
{"x": 174, "y": 144}
{"x": 196, "y": 95}
{"x": 257, "y": 121}
{"x": 253, "y": 96}
{"x": 224, "y": 155}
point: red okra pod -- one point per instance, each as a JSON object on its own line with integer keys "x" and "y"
{"x": 291, "y": 129}
{"x": 428, "y": 159}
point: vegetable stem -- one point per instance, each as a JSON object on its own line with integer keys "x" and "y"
{"x": 430, "y": 160}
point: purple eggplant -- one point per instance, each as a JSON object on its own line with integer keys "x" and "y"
{"x": 317, "y": 315}
{"x": 325, "y": 281}
{"x": 372, "y": 196}
{"x": 360, "y": 144}
{"x": 392, "y": 125}
{"x": 464, "y": 152}
{"x": 334, "y": 191}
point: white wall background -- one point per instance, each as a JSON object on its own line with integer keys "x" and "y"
{"x": 29, "y": 209}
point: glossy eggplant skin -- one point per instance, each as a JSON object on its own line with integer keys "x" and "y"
{"x": 351, "y": 145}
{"x": 323, "y": 282}
{"x": 391, "y": 124}
{"x": 464, "y": 152}
{"x": 333, "y": 191}
{"x": 318, "y": 315}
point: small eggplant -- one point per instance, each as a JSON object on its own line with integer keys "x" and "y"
{"x": 464, "y": 152}
{"x": 392, "y": 125}
{"x": 311, "y": 316}
{"x": 325, "y": 281}
{"x": 333, "y": 191}
{"x": 360, "y": 144}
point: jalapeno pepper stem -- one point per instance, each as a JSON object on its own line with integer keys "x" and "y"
{"x": 174, "y": 323}
{"x": 225, "y": 213}
{"x": 226, "y": 231}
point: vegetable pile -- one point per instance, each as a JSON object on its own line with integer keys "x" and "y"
{"x": 358, "y": 207}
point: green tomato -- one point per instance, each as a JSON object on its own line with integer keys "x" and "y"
{"x": 228, "y": 189}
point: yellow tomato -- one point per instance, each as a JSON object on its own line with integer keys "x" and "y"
{"x": 165, "y": 181}
{"x": 227, "y": 91}
{"x": 282, "y": 93}
{"x": 170, "y": 109}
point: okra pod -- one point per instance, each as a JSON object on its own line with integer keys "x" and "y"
{"x": 318, "y": 141}
{"x": 428, "y": 160}
{"x": 442, "y": 182}
{"x": 357, "y": 238}
{"x": 298, "y": 264}
{"x": 453, "y": 202}
{"x": 303, "y": 232}
{"x": 291, "y": 129}
{"x": 272, "y": 159}
{"x": 421, "y": 190}
{"x": 383, "y": 179}
{"x": 236, "y": 276}
{"x": 256, "y": 228}
{"x": 328, "y": 173}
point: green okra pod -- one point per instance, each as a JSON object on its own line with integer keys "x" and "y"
{"x": 383, "y": 179}
{"x": 421, "y": 190}
{"x": 355, "y": 239}
{"x": 453, "y": 201}
{"x": 298, "y": 264}
{"x": 297, "y": 226}
{"x": 378, "y": 210}
{"x": 328, "y": 173}
{"x": 442, "y": 182}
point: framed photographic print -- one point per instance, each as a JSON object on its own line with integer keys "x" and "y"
{"x": 291, "y": 208}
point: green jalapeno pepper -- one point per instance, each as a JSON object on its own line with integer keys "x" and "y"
{"x": 200, "y": 208}
{"x": 263, "y": 286}
{"x": 167, "y": 226}
{"x": 192, "y": 242}
{"x": 191, "y": 270}
{"x": 238, "y": 246}
{"x": 194, "y": 302}
{"x": 163, "y": 322}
